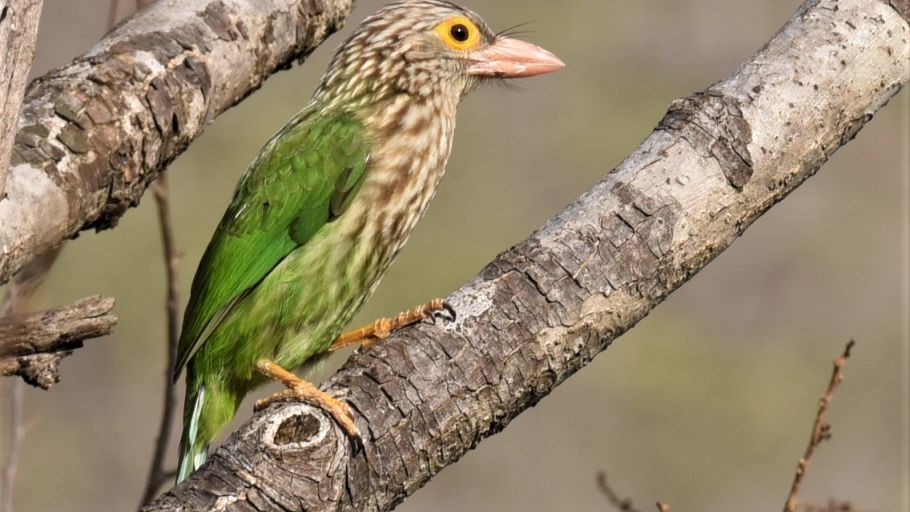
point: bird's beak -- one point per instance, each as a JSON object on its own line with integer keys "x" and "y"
{"x": 513, "y": 58}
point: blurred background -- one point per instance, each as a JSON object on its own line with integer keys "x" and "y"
{"x": 706, "y": 405}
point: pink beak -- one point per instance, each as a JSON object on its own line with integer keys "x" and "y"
{"x": 513, "y": 58}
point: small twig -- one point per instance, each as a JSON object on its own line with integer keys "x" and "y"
{"x": 113, "y": 13}
{"x": 821, "y": 431}
{"x": 623, "y": 504}
{"x": 157, "y": 472}
{"x": 831, "y": 506}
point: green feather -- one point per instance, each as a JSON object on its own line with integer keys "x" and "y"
{"x": 303, "y": 178}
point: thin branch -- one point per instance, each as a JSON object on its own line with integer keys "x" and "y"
{"x": 171, "y": 262}
{"x": 623, "y": 504}
{"x": 14, "y": 304}
{"x": 18, "y": 34}
{"x": 114, "y": 13}
{"x": 545, "y": 308}
{"x": 830, "y": 506}
{"x": 821, "y": 430}
{"x": 96, "y": 133}
{"x": 32, "y": 346}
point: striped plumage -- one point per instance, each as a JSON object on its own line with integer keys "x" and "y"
{"x": 321, "y": 213}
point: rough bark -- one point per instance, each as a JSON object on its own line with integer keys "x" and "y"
{"x": 18, "y": 33}
{"x": 94, "y": 134}
{"x": 32, "y": 346}
{"x": 541, "y": 311}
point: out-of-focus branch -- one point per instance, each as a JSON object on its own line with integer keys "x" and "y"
{"x": 821, "y": 430}
{"x": 32, "y": 346}
{"x": 16, "y": 436}
{"x": 115, "y": 11}
{"x": 621, "y": 504}
{"x": 171, "y": 261}
{"x": 94, "y": 134}
{"x": 18, "y": 34}
{"x": 545, "y": 308}
{"x": 14, "y": 304}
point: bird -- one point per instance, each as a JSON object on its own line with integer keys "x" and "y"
{"x": 325, "y": 207}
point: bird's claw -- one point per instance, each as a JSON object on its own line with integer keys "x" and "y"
{"x": 450, "y": 314}
{"x": 338, "y": 410}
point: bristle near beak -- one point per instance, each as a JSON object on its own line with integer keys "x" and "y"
{"x": 513, "y": 58}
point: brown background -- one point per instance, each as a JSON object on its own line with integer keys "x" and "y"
{"x": 706, "y": 405}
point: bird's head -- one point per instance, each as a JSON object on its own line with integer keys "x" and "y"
{"x": 426, "y": 48}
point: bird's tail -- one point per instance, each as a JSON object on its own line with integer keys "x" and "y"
{"x": 193, "y": 449}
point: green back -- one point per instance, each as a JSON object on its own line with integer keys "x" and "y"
{"x": 304, "y": 178}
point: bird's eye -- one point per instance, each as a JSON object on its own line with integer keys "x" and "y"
{"x": 459, "y": 33}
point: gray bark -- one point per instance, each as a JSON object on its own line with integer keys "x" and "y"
{"x": 18, "y": 33}
{"x": 94, "y": 134}
{"x": 32, "y": 346}
{"x": 544, "y": 309}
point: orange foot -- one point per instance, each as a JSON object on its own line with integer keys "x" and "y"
{"x": 379, "y": 330}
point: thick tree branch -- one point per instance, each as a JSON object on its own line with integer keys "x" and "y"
{"x": 544, "y": 309}
{"x": 94, "y": 134}
{"x": 18, "y": 33}
{"x": 32, "y": 346}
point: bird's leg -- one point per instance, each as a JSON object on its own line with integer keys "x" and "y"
{"x": 299, "y": 389}
{"x": 381, "y": 329}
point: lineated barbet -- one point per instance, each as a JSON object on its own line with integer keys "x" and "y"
{"x": 327, "y": 204}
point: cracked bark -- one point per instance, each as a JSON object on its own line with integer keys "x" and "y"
{"x": 547, "y": 307}
{"x": 94, "y": 134}
{"x": 18, "y": 32}
{"x": 32, "y": 346}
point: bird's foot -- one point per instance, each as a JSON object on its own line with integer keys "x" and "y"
{"x": 301, "y": 390}
{"x": 379, "y": 330}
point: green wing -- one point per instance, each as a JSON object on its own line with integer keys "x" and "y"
{"x": 305, "y": 177}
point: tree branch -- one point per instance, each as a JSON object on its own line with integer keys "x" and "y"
{"x": 544, "y": 309}
{"x": 18, "y": 33}
{"x": 32, "y": 346}
{"x": 821, "y": 429}
{"x": 94, "y": 134}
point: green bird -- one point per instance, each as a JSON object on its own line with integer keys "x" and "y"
{"x": 325, "y": 207}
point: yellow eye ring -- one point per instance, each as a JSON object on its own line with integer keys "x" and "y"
{"x": 459, "y": 33}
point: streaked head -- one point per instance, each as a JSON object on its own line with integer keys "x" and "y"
{"x": 426, "y": 48}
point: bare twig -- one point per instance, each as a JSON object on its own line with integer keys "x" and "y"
{"x": 114, "y": 13}
{"x": 32, "y": 346}
{"x": 171, "y": 262}
{"x": 623, "y": 504}
{"x": 821, "y": 431}
{"x": 831, "y": 506}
